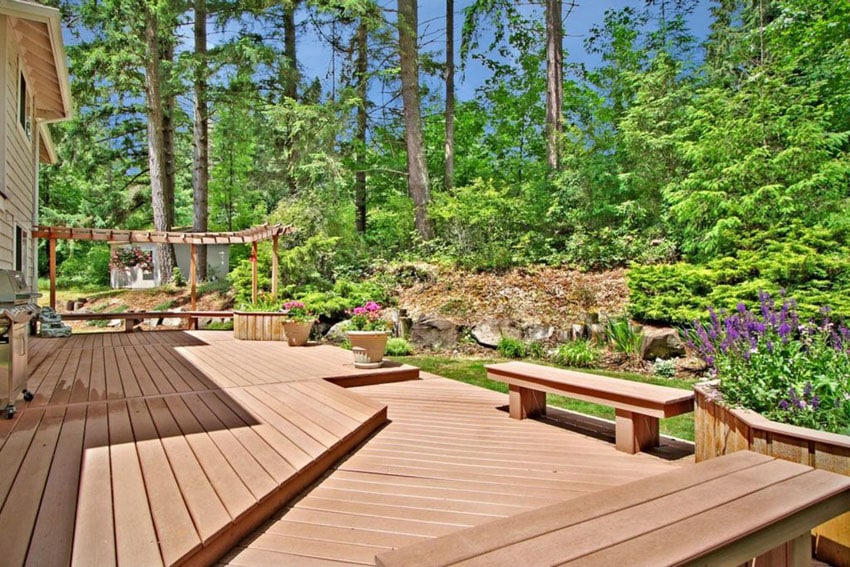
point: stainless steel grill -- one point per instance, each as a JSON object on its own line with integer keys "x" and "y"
{"x": 16, "y": 311}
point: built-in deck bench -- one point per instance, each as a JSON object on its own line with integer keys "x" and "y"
{"x": 638, "y": 406}
{"x": 724, "y": 511}
{"x": 134, "y": 318}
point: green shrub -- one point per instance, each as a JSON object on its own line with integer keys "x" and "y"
{"x": 511, "y": 348}
{"x": 87, "y": 266}
{"x": 811, "y": 264}
{"x": 578, "y": 354}
{"x": 397, "y": 346}
{"x": 534, "y": 349}
{"x": 664, "y": 368}
{"x": 177, "y": 277}
{"x": 624, "y": 337}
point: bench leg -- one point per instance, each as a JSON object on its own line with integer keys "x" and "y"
{"x": 526, "y": 403}
{"x": 794, "y": 553}
{"x": 635, "y": 432}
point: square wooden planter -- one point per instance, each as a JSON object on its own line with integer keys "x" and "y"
{"x": 258, "y": 325}
{"x": 719, "y": 430}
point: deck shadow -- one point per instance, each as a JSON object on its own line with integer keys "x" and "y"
{"x": 671, "y": 449}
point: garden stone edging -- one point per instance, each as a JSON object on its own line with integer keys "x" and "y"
{"x": 488, "y": 333}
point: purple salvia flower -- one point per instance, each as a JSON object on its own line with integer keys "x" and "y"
{"x": 783, "y": 405}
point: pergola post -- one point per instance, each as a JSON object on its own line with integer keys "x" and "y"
{"x": 51, "y": 246}
{"x": 254, "y": 273}
{"x": 274, "y": 267}
{"x": 193, "y": 278}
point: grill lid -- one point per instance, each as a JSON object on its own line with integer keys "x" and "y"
{"x": 13, "y": 288}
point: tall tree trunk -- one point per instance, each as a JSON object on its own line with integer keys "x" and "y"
{"x": 169, "y": 105}
{"x": 290, "y": 89}
{"x": 362, "y": 93}
{"x": 157, "y": 159}
{"x": 417, "y": 170}
{"x": 200, "y": 169}
{"x": 554, "y": 80}
{"x": 450, "y": 95}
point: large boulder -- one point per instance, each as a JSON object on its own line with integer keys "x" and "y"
{"x": 336, "y": 334}
{"x": 537, "y": 333}
{"x": 489, "y": 333}
{"x": 661, "y": 342}
{"x": 430, "y": 331}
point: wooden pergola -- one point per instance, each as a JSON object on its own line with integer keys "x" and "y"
{"x": 251, "y": 235}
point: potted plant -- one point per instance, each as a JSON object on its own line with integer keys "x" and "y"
{"x": 368, "y": 332}
{"x": 779, "y": 386}
{"x": 298, "y": 322}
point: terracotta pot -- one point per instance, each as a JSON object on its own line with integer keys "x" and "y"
{"x": 368, "y": 347}
{"x": 297, "y": 332}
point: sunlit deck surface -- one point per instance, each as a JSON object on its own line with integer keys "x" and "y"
{"x": 450, "y": 458}
{"x": 167, "y": 447}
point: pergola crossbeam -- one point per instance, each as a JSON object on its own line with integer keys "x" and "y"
{"x": 251, "y": 235}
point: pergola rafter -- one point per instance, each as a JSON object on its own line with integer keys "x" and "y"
{"x": 251, "y": 236}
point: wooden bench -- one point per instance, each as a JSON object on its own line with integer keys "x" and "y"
{"x": 638, "y": 406}
{"x": 134, "y": 318}
{"x": 724, "y": 511}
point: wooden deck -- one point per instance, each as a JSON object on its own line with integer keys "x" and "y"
{"x": 162, "y": 448}
{"x": 449, "y": 459}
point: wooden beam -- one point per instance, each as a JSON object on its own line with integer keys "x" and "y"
{"x": 275, "y": 268}
{"x": 255, "y": 234}
{"x": 51, "y": 245}
{"x": 193, "y": 279}
{"x": 254, "y": 273}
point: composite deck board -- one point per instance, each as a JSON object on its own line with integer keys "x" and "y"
{"x": 154, "y": 448}
{"x": 447, "y": 460}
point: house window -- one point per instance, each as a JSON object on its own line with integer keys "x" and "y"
{"x": 20, "y": 248}
{"x": 23, "y": 105}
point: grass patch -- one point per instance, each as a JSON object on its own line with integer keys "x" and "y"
{"x": 165, "y": 306}
{"x": 471, "y": 371}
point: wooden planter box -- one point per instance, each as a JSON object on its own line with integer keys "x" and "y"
{"x": 719, "y": 430}
{"x": 258, "y": 326}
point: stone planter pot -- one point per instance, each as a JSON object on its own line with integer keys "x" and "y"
{"x": 719, "y": 430}
{"x": 297, "y": 332}
{"x": 258, "y": 325}
{"x": 368, "y": 347}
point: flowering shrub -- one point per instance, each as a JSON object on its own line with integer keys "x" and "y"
{"x": 298, "y": 312}
{"x": 770, "y": 362}
{"x": 131, "y": 257}
{"x": 368, "y": 317}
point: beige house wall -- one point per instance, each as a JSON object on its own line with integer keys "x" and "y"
{"x": 19, "y": 160}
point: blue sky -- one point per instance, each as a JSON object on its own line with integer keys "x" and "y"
{"x": 315, "y": 60}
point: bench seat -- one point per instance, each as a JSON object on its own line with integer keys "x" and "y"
{"x": 638, "y": 406}
{"x": 724, "y": 511}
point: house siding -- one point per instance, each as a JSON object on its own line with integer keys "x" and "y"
{"x": 19, "y": 166}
